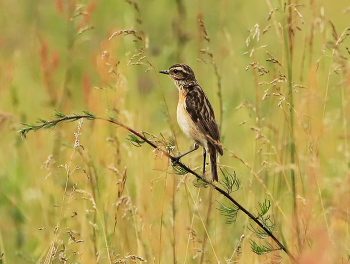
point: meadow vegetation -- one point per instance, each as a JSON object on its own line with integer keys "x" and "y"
{"x": 277, "y": 74}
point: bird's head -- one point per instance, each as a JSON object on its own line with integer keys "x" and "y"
{"x": 181, "y": 74}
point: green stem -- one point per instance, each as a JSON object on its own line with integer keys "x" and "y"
{"x": 291, "y": 125}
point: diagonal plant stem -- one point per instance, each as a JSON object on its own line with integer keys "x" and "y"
{"x": 90, "y": 116}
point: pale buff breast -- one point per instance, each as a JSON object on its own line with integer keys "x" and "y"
{"x": 186, "y": 124}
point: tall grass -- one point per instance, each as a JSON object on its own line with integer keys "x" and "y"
{"x": 277, "y": 75}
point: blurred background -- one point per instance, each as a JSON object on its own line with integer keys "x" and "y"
{"x": 277, "y": 74}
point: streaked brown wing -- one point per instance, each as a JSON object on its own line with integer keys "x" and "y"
{"x": 202, "y": 114}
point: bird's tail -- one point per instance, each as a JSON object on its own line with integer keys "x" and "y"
{"x": 213, "y": 165}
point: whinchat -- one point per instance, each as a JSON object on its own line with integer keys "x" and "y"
{"x": 195, "y": 115}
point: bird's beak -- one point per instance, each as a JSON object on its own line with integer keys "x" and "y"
{"x": 164, "y": 72}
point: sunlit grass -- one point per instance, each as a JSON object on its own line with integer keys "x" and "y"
{"x": 62, "y": 192}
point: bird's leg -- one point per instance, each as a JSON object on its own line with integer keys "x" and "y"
{"x": 204, "y": 157}
{"x": 175, "y": 160}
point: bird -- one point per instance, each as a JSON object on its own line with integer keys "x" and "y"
{"x": 195, "y": 116}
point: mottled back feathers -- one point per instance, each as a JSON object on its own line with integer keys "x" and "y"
{"x": 202, "y": 114}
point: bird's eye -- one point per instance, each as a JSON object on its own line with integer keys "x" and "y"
{"x": 175, "y": 71}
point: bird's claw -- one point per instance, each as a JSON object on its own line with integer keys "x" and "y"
{"x": 175, "y": 161}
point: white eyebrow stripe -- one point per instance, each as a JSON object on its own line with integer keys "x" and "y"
{"x": 181, "y": 69}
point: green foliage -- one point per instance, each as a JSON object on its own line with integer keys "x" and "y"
{"x": 230, "y": 212}
{"x": 169, "y": 144}
{"x": 263, "y": 207}
{"x": 60, "y": 117}
{"x": 135, "y": 140}
{"x": 31, "y": 127}
{"x": 112, "y": 116}
{"x": 200, "y": 183}
{"x": 267, "y": 221}
{"x": 263, "y": 249}
{"x": 90, "y": 114}
{"x": 41, "y": 121}
{"x": 230, "y": 182}
{"x": 179, "y": 170}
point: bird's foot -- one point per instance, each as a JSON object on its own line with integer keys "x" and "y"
{"x": 175, "y": 161}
